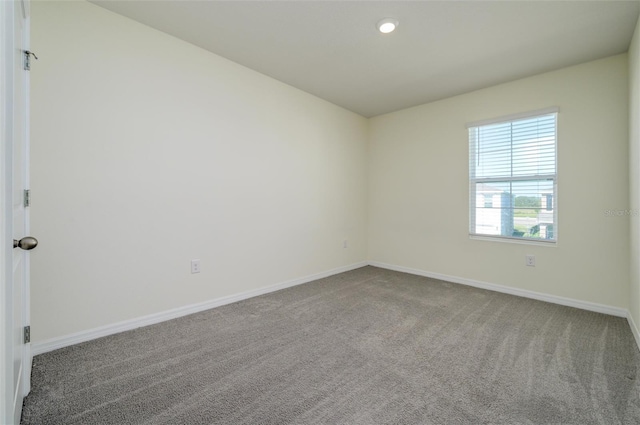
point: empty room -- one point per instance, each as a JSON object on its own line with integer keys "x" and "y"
{"x": 320, "y": 212}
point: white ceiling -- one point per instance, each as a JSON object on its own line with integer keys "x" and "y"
{"x": 441, "y": 48}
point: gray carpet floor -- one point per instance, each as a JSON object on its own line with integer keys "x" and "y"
{"x": 370, "y": 346}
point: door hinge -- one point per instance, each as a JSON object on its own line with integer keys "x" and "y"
{"x": 27, "y": 59}
{"x": 27, "y": 198}
{"x": 27, "y": 334}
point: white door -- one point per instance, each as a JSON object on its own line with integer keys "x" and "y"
{"x": 14, "y": 152}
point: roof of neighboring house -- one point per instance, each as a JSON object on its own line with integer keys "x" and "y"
{"x": 482, "y": 187}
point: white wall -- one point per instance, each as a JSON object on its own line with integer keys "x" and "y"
{"x": 148, "y": 152}
{"x": 418, "y": 186}
{"x": 634, "y": 175}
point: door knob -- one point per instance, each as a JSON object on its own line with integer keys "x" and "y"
{"x": 26, "y": 243}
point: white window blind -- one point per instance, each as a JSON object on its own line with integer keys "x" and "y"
{"x": 512, "y": 178}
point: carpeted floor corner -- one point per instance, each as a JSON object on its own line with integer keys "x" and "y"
{"x": 370, "y": 346}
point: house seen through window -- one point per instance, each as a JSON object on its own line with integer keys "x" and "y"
{"x": 512, "y": 178}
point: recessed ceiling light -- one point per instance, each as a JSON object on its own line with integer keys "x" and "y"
{"x": 387, "y": 25}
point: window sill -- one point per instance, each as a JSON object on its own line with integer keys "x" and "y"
{"x": 506, "y": 239}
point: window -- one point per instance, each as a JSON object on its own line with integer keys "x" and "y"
{"x": 488, "y": 201}
{"x": 512, "y": 163}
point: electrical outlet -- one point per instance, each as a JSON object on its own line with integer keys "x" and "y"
{"x": 345, "y": 243}
{"x": 195, "y": 266}
{"x": 530, "y": 260}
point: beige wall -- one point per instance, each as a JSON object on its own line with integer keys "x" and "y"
{"x": 634, "y": 174}
{"x": 418, "y": 186}
{"x": 148, "y": 152}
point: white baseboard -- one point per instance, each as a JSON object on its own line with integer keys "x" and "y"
{"x": 634, "y": 329}
{"x": 78, "y": 337}
{"x": 570, "y": 302}
{"x": 83, "y": 336}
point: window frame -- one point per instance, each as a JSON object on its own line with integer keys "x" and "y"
{"x": 474, "y": 181}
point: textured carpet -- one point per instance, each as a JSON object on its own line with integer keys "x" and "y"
{"x": 370, "y": 346}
